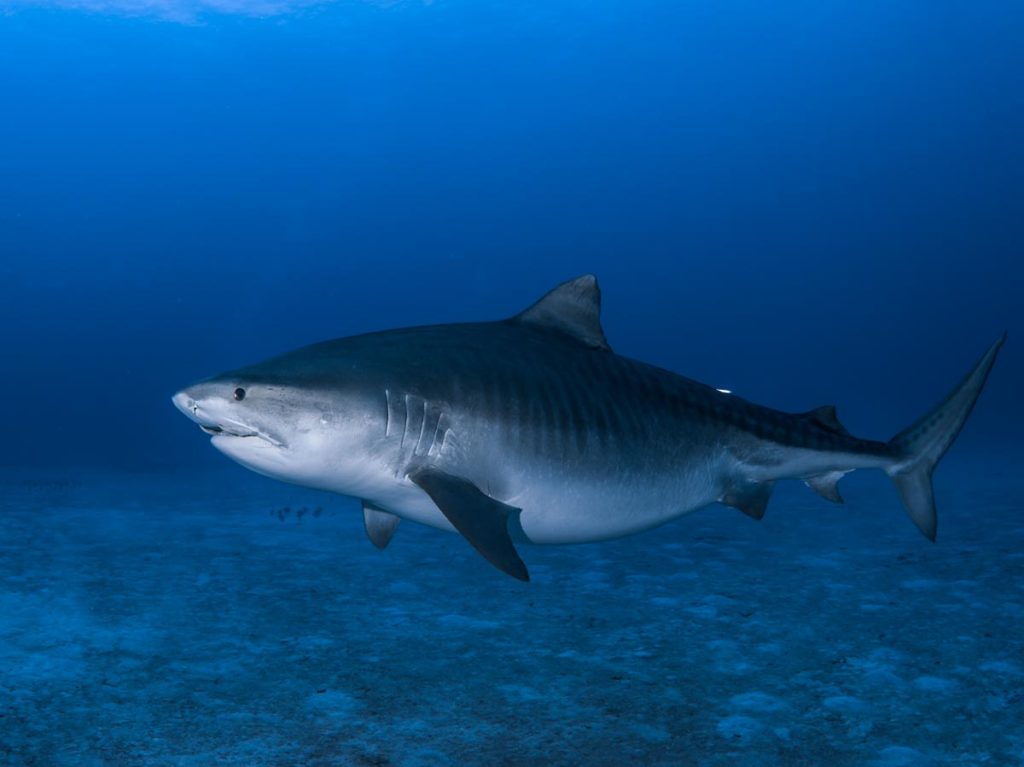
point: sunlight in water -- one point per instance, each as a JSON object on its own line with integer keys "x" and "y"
{"x": 192, "y": 11}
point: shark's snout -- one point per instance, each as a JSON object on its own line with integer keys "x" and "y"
{"x": 185, "y": 403}
{"x": 217, "y": 414}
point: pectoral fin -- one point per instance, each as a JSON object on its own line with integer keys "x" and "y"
{"x": 380, "y": 524}
{"x": 482, "y": 520}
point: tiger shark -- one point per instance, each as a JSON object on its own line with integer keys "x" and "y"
{"x": 531, "y": 429}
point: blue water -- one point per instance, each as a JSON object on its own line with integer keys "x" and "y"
{"x": 804, "y": 203}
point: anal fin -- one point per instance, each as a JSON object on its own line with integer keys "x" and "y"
{"x": 751, "y": 498}
{"x": 380, "y": 524}
{"x": 482, "y": 520}
{"x": 827, "y": 485}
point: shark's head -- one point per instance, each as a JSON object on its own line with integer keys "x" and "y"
{"x": 276, "y": 421}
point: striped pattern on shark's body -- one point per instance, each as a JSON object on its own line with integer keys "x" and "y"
{"x": 533, "y": 429}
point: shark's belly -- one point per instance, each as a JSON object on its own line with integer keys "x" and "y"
{"x": 577, "y": 510}
{"x": 409, "y": 502}
{"x": 614, "y": 487}
{"x": 559, "y": 506}
{"x": 611, "y": 490}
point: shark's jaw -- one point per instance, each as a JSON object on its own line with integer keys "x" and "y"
{"x": 248, "y": 443}
{"x": 223, "y": 430}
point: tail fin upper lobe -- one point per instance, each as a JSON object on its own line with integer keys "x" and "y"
{"x": 917, "y": 449}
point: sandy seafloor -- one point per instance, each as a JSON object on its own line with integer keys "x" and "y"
{"x": 186, "y": 619}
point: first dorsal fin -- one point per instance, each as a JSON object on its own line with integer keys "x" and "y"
{"x": 825, "y": 417}
{"x": 573, "y": 308}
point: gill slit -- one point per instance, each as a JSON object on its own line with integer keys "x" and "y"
{"x": 423, "y": 431}
{"x": 405, "y": 429}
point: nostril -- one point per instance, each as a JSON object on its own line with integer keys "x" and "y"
{"x": 184, "y": 403}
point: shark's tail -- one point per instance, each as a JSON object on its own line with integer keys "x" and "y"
{"x": 919, "y": 448}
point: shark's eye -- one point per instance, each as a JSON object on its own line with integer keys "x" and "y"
{"x": 239, "y": 394}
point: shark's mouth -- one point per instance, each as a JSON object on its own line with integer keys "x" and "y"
{"x": 221, "y": 428}
{"x": 239, "y": 431}
{"x": 229, "y": 432}
{"x": 232, "y": 430}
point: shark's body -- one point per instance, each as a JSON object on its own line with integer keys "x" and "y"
{"x": 533, "y": 429}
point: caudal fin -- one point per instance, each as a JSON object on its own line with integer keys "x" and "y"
{"x": 917, "y": 449}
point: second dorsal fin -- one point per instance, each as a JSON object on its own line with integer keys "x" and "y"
{"x": 573, "y": 308}
{"x": 825, "y": 417}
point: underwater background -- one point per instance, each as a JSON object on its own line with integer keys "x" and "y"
{"x": 805, "y": 203}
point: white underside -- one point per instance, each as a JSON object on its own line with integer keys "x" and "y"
{"x": 558, "y": 506}
{"x": 574, "y": 515}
